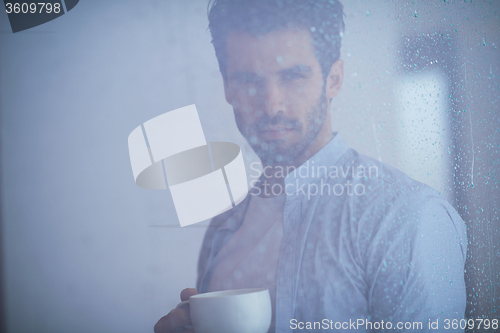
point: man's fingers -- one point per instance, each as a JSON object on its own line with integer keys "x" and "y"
{"x": 178, "y": 317}
{"x": 175, "y": 318}
{"x": 188, "y": 292}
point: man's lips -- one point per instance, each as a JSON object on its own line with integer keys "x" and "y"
{"x": 274, "y": 133}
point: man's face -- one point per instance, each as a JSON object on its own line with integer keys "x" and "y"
{"x": 275, "y": 86}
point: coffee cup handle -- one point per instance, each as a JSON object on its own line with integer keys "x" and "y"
{"x": 185, "y": 327}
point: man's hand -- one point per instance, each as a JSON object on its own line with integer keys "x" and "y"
{"x": 178, "y": 317}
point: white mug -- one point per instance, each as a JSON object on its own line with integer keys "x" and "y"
{"x": 230, "y": 311}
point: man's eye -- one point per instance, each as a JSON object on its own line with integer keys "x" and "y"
{"x": 248, "y": 80}
{"x": 292, "y": 76}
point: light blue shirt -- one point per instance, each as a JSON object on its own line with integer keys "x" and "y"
{"x": 391, "y": 249}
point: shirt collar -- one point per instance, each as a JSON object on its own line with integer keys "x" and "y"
{"x": 318, "y": 165}
{"x": 305, "y": 174}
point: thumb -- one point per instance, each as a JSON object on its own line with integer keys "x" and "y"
{"x": 188, "y": 292}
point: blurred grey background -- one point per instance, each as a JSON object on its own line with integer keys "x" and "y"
{"x": 86, "y": 250}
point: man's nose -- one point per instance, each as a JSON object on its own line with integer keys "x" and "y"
{"x": 273, "y": 99}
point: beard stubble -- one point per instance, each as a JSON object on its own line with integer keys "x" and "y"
{"x": 281, "y": 151}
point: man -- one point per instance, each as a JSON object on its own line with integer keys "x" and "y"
{"x": 341, "y": 241}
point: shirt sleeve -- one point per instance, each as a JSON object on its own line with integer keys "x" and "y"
{"x": 415, "y": 266}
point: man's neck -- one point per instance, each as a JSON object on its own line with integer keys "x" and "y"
{"x": 276, "y": 173}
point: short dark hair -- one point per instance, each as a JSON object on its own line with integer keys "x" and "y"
{"x": 323, "y": 18}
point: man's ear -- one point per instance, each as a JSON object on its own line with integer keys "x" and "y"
{"x": 335, "y": 79}
{"x": 227, "y": 94}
